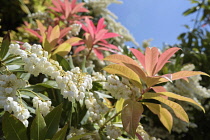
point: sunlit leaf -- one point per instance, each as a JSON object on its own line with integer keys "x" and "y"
{"x": 131, "y": 116}
{"x": 163, "y": 114}
{"x": 73, "y": 40}
{"x": 139, "y": 56}
{"x": 125, "y": 72}
{"x": 178, "y": 110}
{"x": 151, "y": 59}
{"x": 55, "y": 34}
{"x": 63, "y": 49}
{"x": 181, "y": 98}
{"x": 164, "y": 57}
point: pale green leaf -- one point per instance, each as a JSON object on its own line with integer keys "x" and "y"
{"x": 181, "y": 98}
{"x": 163, "y": 114}
{"x": 125, "y": 72}
{"x": 178, "y": 110}
{"x": 63, "y": 49}
{"x": 60, "y": 135}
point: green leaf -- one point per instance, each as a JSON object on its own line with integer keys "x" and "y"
{"x": 52, "y": 120}
{"x": 125, "y": 72}
{"x": 178, "y": 110}
{"x": 38, "y": 127}
{"x": 131, "y": 116}
{"x": 190, "y": 11}
{"x": 163, "y": 114}
{"x": 60, "y": 135}
{"x": 182, "y": 98}
{"x": 5, "y": 46}
{"x": 13, "y": 128}
{"x": 80, "y": 136}
{"x": 48, "y": 84}
{"x": 63, "y": 62}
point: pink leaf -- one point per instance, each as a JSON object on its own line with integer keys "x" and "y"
{"x": 89, "y": 27}
{"x": 151, "y": 59}
{"x": 164, "y": 57}
{"x": 98, "y": 53}
{"x": 34, "y": 33}
{"x": 139, "y": 56}
{"x": 100, "y": 24}
{"x": 110, "y": 35}
{"x": 159, "y": 89}
{"x": 109, "y": 46}
{"x": 64, "y": 32}
{"x": 79, "y": 49}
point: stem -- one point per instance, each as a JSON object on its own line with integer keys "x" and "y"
{"x": 9, "y": 58}
{"x": 89, "y": 52}
{"x": 32, "y": 92}
{"x": 102, "y": 127}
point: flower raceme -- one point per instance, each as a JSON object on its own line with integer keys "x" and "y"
{"x": 151, "y": 63}
{"x": 95, "y": 38}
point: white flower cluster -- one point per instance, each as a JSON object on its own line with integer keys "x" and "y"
{"x": 39, "y": 15}
{"x": 121, "y": 89}
{"x": 145, "y": 136}
{"x": 19, "y": 111}
{"x": 113, "y": 132}
{"x": 73, "y": 84}
{"x": 97, "y": 76}
{"x": 75, "y": 29}
{"x": 75, "y": 132}
{"x": 95, "y": 108}
{"x": 44, "y": 106}
{"x": 8, "y": 87}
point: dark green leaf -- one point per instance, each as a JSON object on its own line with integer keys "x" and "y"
{"x": 48, "y": 84}
{"x": 13, "y": 128}
{"x": 52, "y": 121}
{"x": 63, "y": 62}
{"x": 60, "y": 135}
{"x": 38, "y": 127}
{"x": 5, "y": 46}
{"x": 190, "y": 11}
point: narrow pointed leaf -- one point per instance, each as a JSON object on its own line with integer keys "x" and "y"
{"x": 79, "y": 49}
{"x": 38, "y": 127}
{"x": 117, "y": 58}
{"x": 60, "y": 135}
{"x": 131, "y": 115}
{"x": 5, "y": 46}
{"x": 183, "y": 74}
{"x": 123, "y": 71}
{"x": 55, "y": 33}
{"x": 151, "y": 59}
{"x": 98, "y": 53}
{"x": 178, "y": 110}
{"x": 181, "y": 98}
{"x": 164, "y": 57}
{"x": 13, "y": 128}
{"x": 163, "y": 114}
{"x": 159, "y": 89}
{"x": 139, "y": 56}
{"x": 41, "y": 27}
{"x": 52, "y": 121}
{"x": 73, "y": 40}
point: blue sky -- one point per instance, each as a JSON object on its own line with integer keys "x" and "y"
{"x": 161, "y": 20}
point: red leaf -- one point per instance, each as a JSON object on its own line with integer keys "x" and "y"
{"x": 100, "y": 25}
{"x": 164, "y": 57}
{"x": 79, "y": 49}
{"x": 90, "y": 27}
{"x": 110, "y": 35}
{"x": 139, "y": 56}
{"x": 151, "y": 59}
{"x": 109, "y": 46}
{"x": 98, "y": 53}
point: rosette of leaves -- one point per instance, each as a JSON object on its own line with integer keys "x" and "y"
{"x": 146, "y": 78}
